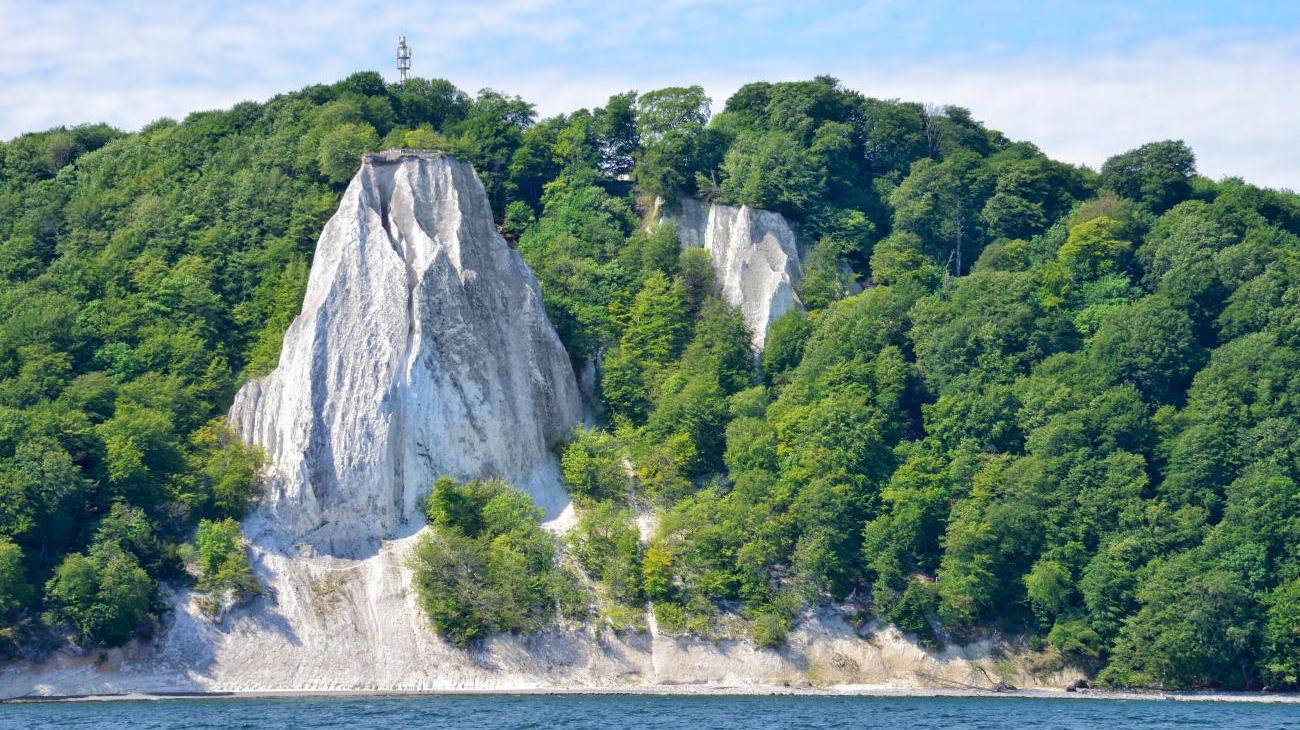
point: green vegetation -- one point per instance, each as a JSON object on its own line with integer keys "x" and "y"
{"x": 594, "y": 468}
{"x": 1046, "y": 414}
{"x": 1062, "y": 405}
{"x": 105, "y": 594}
{"x": 486, "y": 565}
{"x": 224, "y": 573}
{"x": 607, "y": 546}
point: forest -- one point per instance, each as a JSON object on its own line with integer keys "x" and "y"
{"x": 1026, "y": 398}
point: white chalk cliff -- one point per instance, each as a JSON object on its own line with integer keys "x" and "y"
{"x": 755, "y": 258}
{"x": 422, "y": 350}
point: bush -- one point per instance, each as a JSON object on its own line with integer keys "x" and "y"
{"x": 681, "y": 620}
{"x": 341, "y": 150}
{"x": 657, "y": 573}
{"x": 485, "y": 565}
{"x": 223, "y": 561}
{"x": 661, "y": 470}
{"x": 914, "y": 610}
{"x": 607, "y": 545}
{"x": 104, "y": 597}
{"x": 594, "y": 467}
{"x": 770, "y": 629}
{"x": 1076, "y": 641}
{"x": 14, "y": 589}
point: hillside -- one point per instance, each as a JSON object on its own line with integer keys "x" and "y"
{"x": 1016, "y": 396}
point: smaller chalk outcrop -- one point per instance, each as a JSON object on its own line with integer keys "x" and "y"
{"x": 755, "y": 258}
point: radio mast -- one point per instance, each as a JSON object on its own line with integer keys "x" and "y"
{"x": 403, "y": 58}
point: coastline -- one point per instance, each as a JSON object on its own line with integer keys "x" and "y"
{"x": 694, "y": 690}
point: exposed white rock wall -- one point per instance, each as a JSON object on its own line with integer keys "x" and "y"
{"x": 755, "y": 258}
{"x": 422, "y": 350}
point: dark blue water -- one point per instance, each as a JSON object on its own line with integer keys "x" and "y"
{"x": 624, "y": 712}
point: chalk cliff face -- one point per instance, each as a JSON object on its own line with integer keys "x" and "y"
{"x": 755, "y": 258}
{"x": 422, "y": 350}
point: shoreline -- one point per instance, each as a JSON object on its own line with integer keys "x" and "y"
{"x": 688, "y": 691}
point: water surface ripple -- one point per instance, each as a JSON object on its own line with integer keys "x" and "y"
{"x": 616, "y": 712}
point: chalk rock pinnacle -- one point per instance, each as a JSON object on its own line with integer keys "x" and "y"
{"x": 422, "y": 350}
{"x": 755, "y": 258}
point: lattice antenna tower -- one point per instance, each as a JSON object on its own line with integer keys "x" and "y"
{"x": 403, "y": 58}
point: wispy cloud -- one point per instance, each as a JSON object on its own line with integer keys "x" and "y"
{"x": 1083, "y": 83}
{"x": 1235, "y": 104}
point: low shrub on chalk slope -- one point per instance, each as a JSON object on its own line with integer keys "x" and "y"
{"x": 486, "y": 565}
{"x": 225, "y": 577}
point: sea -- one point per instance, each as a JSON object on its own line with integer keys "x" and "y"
{"x": 619, "y": 712}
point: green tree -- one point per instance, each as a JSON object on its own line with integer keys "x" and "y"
{"x": 594, "y": 467}
{"x": 449, "y": 572}
{"x": 574, "y": 248}
{"x": 104, "y": 597}
{"x": 720, "y": 344}
{"x": 623, "y": 388}
{"x": 223, "y": 472}
{"x": 1157, "y": 174}
{"x": 435, "y": 102}
{"x": 1149, "y": 344}
{"x": 671, "y": 110}
{"x": 992, "y": 321}
{"x": 940, "y": 202}
{"x": 1094, "y": 249}
{"x": 657, "y": 573}
{"x": 773, "y": 171}
{"x": 485, "y": 565}
{"x": 693, "y": 406}
{"x": 676, "y": 144}
{"x": 341, "y": 150}
{"x": 658, "y": 325}
{"x": 15, "y": 592}
{"x": 617, "y": 134}
{"x": 223, "y": 558}
{"x": 1281, "y": 663}
{"x": 900, "y": 258}
{"x": 825, "y": 278}
{"x": 695, "y": 271}
{"x": 1195, "y": 628}
{"x": 1049, "y": 588}
{"x": 785, "y": 343}
{"x": 607, "y": 545}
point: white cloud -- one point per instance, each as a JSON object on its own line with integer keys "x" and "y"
{"x": 1235, "y": 105}
{"x": 1231, "y": 98}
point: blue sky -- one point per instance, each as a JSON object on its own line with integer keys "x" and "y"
{"x": 1082, "y": 80}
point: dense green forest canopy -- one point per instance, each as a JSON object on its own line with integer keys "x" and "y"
{"x": 1025, "y": 397}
